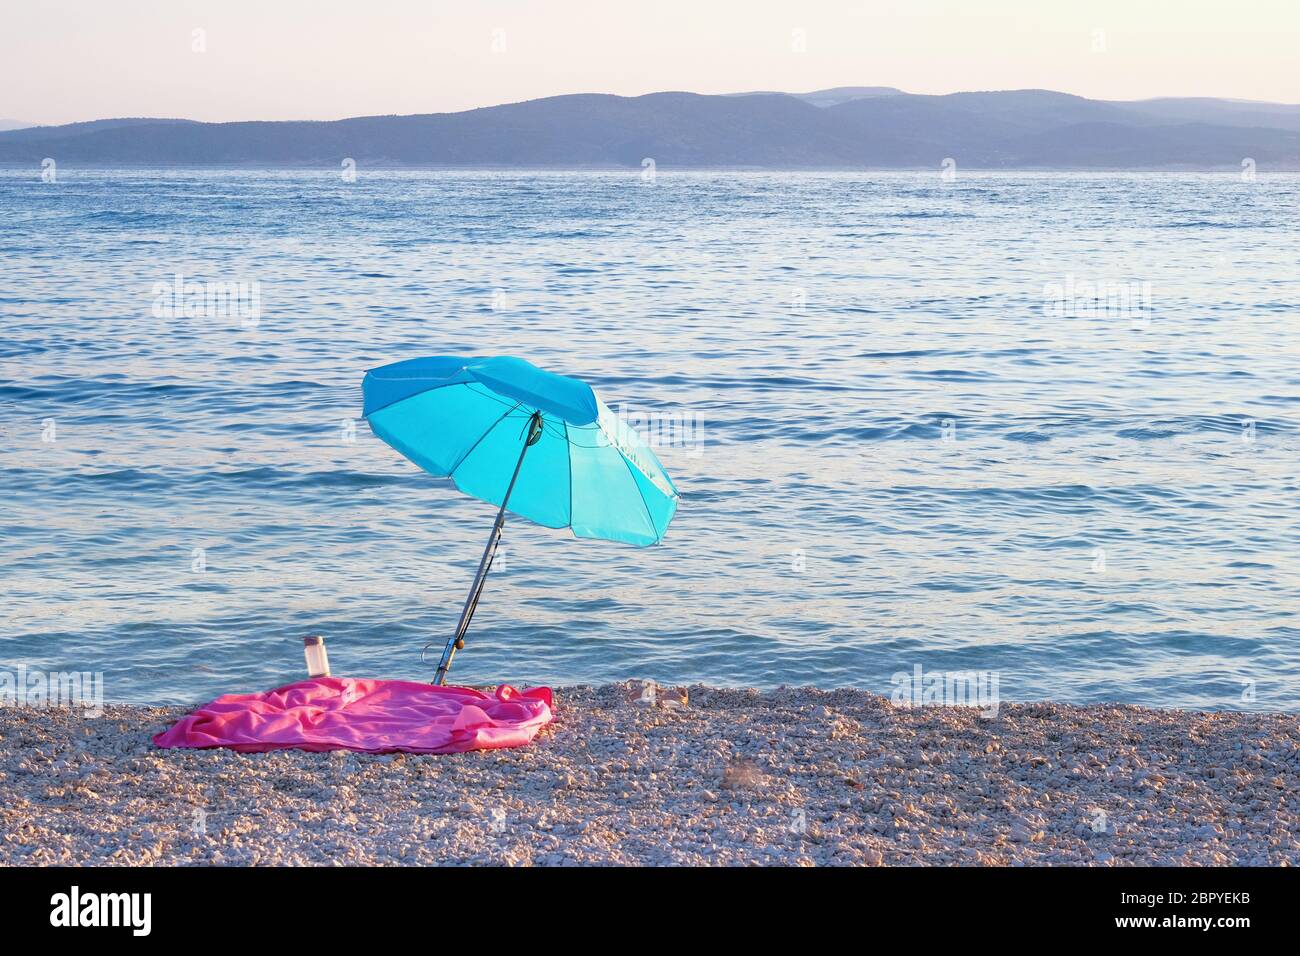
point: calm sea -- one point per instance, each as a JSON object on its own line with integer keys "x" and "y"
{"x": 1041, "y": 425}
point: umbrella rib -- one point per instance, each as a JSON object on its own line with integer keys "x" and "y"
{"x": 637, "y": 485}
{"x": 486, "y": 431}
{"x": 569, "y": 449}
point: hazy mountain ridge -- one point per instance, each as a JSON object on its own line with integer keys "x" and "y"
{"x": 843, "y": 127}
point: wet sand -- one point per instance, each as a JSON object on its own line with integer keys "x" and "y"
{"x": 792, "y": 776}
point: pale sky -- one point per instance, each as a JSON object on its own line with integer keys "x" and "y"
{"x": 68, "y": 60}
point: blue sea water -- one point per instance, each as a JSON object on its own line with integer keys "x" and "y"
{"x": 907, "y": 448}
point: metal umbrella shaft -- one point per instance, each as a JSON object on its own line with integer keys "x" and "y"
{"x": 457, "y": 640}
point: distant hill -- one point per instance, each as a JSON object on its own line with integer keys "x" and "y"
{"x": 843, "y": 94}
{"x": 833, "y": 97}
{"x": 7, "y": 124}
{"x": 847, "y": 127}
{"x": 28, "y": 133}
{"x": 1223, "y": 112}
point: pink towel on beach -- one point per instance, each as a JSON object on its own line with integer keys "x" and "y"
{"x": 373, "y": 716}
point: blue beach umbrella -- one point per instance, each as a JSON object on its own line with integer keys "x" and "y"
{"x": 539, "y": 445}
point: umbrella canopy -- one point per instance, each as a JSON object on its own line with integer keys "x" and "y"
{"x": 539, "y": 445}
{"x": 466, "y": 419}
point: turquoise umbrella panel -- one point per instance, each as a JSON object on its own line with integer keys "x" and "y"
{"x": 613, "y": 469}
{"x": 542, "y": 491}
{"x": 438, "y": 428}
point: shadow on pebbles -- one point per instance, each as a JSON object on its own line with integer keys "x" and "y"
{"x": 791, "y": 776}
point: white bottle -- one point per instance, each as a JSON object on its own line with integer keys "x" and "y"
{"x": 318, "y": 662}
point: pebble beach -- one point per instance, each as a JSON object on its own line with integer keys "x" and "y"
{"x": 724, "y": 777}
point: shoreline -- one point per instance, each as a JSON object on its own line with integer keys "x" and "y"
{"x": 792, "y": 776}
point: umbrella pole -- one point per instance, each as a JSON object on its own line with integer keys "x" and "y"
{"x": 457, "y": 640}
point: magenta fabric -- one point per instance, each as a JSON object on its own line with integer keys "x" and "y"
{"x": 372, "y": 716}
